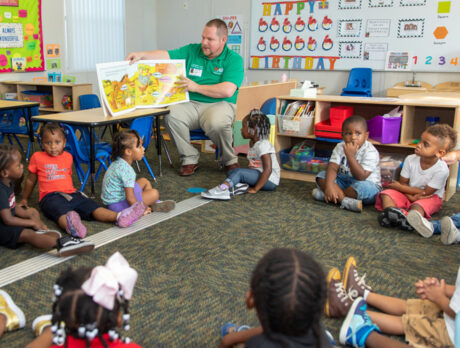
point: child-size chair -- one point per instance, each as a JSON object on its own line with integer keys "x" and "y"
{"x": 359, "y": 83}
{"x": 198, "y": 134}
{"x": 143, "y": 126}
{"x": 81, "y": 156}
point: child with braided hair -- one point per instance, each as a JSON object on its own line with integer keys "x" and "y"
{"x": 90, "y": 304}
{"x": 263, "y": 172}
{"x": 288, "y": 291}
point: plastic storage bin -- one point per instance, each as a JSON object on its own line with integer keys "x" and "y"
{"x": 338, "y": 114}
{"x": 390, "y": 168}
{"x": 44, "y": 98}
{"x": 304, "y": 164}
{"x": 291, "y": 126}
{"x": 384, "y": 129}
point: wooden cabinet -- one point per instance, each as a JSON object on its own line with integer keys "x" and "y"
{"x": 415, "y": 108}
{"x": 57, "y": 90}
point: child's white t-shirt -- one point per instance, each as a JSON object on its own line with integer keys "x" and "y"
{"x": 434, "y": 177}
{"x": 455, "y": 306}
{"x": 259, "y": 149}
{"x": 367, "y": 156}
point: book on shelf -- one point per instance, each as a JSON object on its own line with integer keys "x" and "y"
{"x": 145, "y": 84}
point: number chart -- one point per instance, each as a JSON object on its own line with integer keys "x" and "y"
{"x": 343, "y": 34}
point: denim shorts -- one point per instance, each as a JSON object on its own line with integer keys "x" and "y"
{"x": 366, "y": 190}
{"x": 56, "y": 204}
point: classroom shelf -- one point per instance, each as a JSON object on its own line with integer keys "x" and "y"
{"x": 414, "y": 112}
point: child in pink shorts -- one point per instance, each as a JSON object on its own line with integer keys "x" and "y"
{"x": 421, "y": 185}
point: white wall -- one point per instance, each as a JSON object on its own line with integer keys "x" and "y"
{"x": 167, "y": 24}
{"x": 179, "y": 25}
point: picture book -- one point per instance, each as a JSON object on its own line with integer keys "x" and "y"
{"x": 144, "y": 84}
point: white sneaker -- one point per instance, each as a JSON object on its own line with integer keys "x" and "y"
{"x": 420, "y": 224}
{"x": 318, "y": 194}
{"x": 217, "y": 193}
{"x": 449, "y": 232}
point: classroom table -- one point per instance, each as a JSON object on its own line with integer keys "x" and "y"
{"x": 92, "y": 118}
{"x": 13, "y": 104}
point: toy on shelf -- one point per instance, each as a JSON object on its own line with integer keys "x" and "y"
{"x": 67, "y": 102}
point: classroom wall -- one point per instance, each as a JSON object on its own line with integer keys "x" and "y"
{"x": 179, "y": 25}
{"x": 140, "y": 34}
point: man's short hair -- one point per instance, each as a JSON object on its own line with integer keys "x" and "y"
{"x": 220, "y": 26}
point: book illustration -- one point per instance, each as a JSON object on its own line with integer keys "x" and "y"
{"x": 144, "y": 84}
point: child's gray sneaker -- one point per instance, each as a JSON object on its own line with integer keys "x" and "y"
{"x": 420, "y": 224}
{"x": 449, "y": 232}
{"x": 220, "y": 192}
{"x": 239, "y": 189}
{"x": 318, "y": 194}
{"x": 352, "y": 204}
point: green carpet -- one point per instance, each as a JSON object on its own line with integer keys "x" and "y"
{"x": 194, "y": 269}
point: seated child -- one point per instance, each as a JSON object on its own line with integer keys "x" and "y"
{"x": 120, "y": 189}
{"x": 352, "y": 177}
{"x": 90, "y": 305}
{"x": 448, "y": 227}
{"x": 22, "y": 224}
{"x": 263, "y": 172}
{"x": 425, "y": 322}
{"x": 288, "y": 292}
{"x": 423, "y": 178}
{"x": 58, "y": 198}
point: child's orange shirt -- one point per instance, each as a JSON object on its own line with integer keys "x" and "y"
{"x": 54, "y": 173}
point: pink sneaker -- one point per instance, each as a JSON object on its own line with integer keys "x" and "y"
{"x": 130, "y": 214}
{"x": 74, "y": 225}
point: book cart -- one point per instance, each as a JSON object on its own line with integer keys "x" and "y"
{"x": 415, "y": 108}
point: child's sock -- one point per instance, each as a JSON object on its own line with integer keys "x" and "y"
{"x": 366, "y": 293}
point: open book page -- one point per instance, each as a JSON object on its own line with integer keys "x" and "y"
{"x": 144, "y": 84}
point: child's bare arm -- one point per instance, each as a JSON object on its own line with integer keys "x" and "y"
{"x": 263, "y": 178}
{"x": 403, "y": 186}
{"x": 130, "y": 196}
{"x": 28, "y": 188}
{"x": 239, "y": 337}
{"x": 355, "y": 167}
{"x": 11, "y": 220}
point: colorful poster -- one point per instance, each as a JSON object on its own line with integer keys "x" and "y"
{"x": 144, "y": 84}
{"x": 235, "y": 32}
{"x": 21, "y": 35}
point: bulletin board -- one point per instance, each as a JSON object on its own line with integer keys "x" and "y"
{"x": 21, "y": 38}
{"x": 418, "y": 35}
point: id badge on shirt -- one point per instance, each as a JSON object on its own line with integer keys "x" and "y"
{"x": 195, "y": 70}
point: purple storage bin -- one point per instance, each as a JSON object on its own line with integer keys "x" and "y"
{"x": 384, "y": 129}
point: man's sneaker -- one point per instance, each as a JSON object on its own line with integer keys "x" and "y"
{"x": 239, "y": 189}
{"x": 352, "y": 204}
{"x": 220, "y": 192}
{"x": 338, "y": 302}
{"x": 318, "y": 194}
{"x": 129, "y": 215}
{"x": 357, "y": 325}
{"x": 354, "y": 284}
{"x": 74, "y": 225}
{"x": 41, "y": 323}
{"x": 230, "y": 327}
{"x": 449, "y": 232}
{"x": 163, "y": 206}
{"x": 420, "y": 224}
{"x": 397, "y": 217}
{"x": 68, "y": 246}
{"x": 15, "y": 318}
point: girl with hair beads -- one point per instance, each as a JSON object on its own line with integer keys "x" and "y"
{"x": 22, "y": 224}
{"x": 90, "y": 304}
{"x": 120, "y": 189}
{"x": 263, "y": 172}
{"x": 288, "y": 291}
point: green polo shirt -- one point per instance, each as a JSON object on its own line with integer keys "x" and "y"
{"x": 227, "y": 67}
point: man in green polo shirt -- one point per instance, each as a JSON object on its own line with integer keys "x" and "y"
{"x": 214, "y": 74}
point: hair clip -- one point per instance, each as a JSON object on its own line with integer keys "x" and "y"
{"x": 57, "y": 290}
{"x": 81, "y": 331}
{"x": 125, "y": 321}
{"x": 126, "y": 340}
{"x": 113, "y": 335}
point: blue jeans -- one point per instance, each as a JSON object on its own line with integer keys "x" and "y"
{"x": 366, "y": 191}
{"x": 437, "y": 223}
{"x": 248, "y": 176}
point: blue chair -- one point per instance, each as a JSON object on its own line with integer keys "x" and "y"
{"x": 359, "y": 83}
{"x": 14, "y": 122}
{"x": 198, "y": 134}
{"x": 269, "y": 107}
{"x": 144, "y": 126}
{"x": 81, "y": 155}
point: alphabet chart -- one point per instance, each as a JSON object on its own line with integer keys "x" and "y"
{"x": 342, "y": 34}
